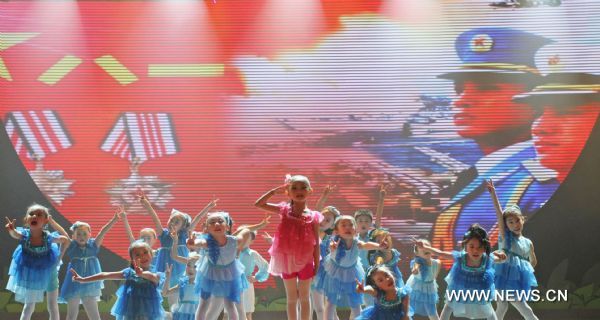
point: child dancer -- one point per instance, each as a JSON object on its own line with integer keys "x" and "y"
{"x": 389, "y": 256}
{"x": 83, "y": 252}
{"x": 188, "y": 298}
{"x": 33, "y": 269}
{"x": 148, "y": 235}
{"x": 330, "y": 214}
{"x": 342, "y": 267}
{"x": 471, "y": 273}
{"x": 295, "y": 250}
{"x": 178, "y": 222}
{"x": 391, "y": 301}
{"x": 364, "y": 220}
{"x": 517, "y": 272}
{"x": 220, "y": 275}
{"x": 251, "y": 260}
{"x": 423, "y": 284}
{"x": 139, "y": 297}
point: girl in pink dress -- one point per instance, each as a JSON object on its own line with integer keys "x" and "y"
{"x": 295, "y": 251}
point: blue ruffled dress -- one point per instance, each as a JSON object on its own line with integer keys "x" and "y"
{"x": 84, "y": 260}
{"x": 337, "y": 279}
{"x": 392, "y": 264}
{"x": 188, "y": 300}
{"x": 324, "y": 245}
{"x": 34, "y": 269}
{"x": 163, "y": 257}
{"x": 387, "y": 310}
{"x": 139, "y": 298}
{"x": 424, "y": 287}
{"x": 470, "y": 280}
{"x": 220, "y": 274}
{"x": 516, "y": 273}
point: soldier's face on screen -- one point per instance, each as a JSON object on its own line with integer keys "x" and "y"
{"x": 560, "y": 134}
{"x": 485, "y": 107}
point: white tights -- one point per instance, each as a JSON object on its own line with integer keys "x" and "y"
{"x": 52, "y": 299}
{"x": 447, "y": 312}
{"x": 90, "y": 305}
{"x": 331, "y": 314}
{"x": 521, "y": 306}
{"x": 211, "y": 309}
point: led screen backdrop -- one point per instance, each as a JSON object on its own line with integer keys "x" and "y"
{"x": 196, "y": 100}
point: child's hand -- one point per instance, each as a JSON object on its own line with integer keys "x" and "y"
{"x": 251, "y": 279}
{"x": 191, "y": 240}
{"x": 76, "y": 277}
{"x": 173, "y": 235}
{"x": 118, "y": 213}
{"x": 10, "y": 225}
{"x": 281, "y": 189}
{"x": 267, "y": 237}
{"x": 329, "y": 188}
{"x": 500, "y": 255}
{"x": 212, "y": 203}
{"x": 168, "y": 270}
{"x": 418, "y": 243}
{"x": 333, "y": 245}
{"x": 360, "y": 288}
{"x": 415, "y": 269}
{"x": 383, "y": 190}
{"x": 265, "y": 221}
{"x": 137, "y": 268}
{"x": 489, "y": 184}
{"x": 142, "y": 196}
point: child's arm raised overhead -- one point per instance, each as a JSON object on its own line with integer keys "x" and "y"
{"x": 123, "y": 216}
{"x": 262, "y": 203}
{"x": 148, "y": 206}
{"x": 380, "y": 205}
{"x": 211, "y": 205}
{"x": 57, "y": 226}
{"x": 10, "y": 227}
{"x": 323, "y": 199}
{"x": 492, "y": 189}
{"x": 108, "y": 226}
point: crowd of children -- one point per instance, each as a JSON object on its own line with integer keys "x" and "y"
{"x": 326, "y": 260}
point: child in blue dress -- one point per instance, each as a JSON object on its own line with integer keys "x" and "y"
{"x": 423, "y": 284}
{"x": 33, "y": 269}
{"x": 391, "y": 301}
{"x": 252, "y": 260}
{"x": 181, "y": 223}
{"x": 186, "y": 307}
{"x": 517, "y": 272}
{"x": 220, "y": 276}
{"x": 390, "y": 257}
{"x": 472, "y": 274}
{"x": 342, "y": 267}
{"x": 139, "y": 297}
{"x": 83, "y": 252}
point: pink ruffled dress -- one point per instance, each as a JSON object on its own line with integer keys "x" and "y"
{"x": 294, "y": 242}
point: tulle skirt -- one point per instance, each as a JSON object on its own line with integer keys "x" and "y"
{"x": 185, "y": 311}
{"x": 227, "y": 281}
{"x": 71, "y": 289}
{"x": 424, "y": 296}
{"x": 31, "y": 276}
{"x": 338, "y": 283}
{"x": 141, "y": 302}
{"x": 515, "y": 274}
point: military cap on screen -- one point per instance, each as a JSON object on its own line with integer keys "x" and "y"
{"x": 565, "y": 88}
{"x": 496, "y": 51}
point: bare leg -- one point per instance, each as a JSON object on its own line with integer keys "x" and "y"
{"x": 28, "y": 309}
{"x": 318, "y": 304}
{"x": 304, "y": 299}
{"x": 291, "y": 292}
